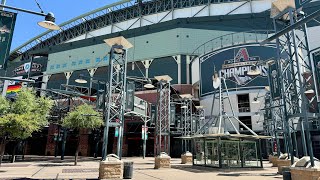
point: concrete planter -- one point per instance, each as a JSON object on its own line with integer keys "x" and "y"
{"x": 282, "y": 163}
{"x": 301, "y": 173}
{"x": 274, "y": 161}
{"x": 186, "y": 158}
{"x": 111, "y": 168}
{"x": 162, "y": 161}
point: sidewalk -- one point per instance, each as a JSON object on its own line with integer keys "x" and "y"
{"x": 53, "y": 168}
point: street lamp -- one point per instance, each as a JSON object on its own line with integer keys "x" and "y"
{"x": 48, "y": 23}
{"x": 149, "y": 85}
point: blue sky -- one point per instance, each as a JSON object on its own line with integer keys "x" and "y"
{"x": 26, "y": 24}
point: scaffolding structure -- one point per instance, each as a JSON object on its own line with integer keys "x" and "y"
{"x": 115, "y": 96}
{"x": 162, "y": 124}
{"x": 296, "y": 70}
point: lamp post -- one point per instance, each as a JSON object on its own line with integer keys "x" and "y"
{"x": 48, "y": 23}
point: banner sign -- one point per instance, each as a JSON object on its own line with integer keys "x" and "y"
{"x": 7, "y": 23}
{"x": 130, "y": 96}
{"x": 172, "y": 113}
{"x": 274, "y": 79}
{"x": 316, "y": 60}
{"x": 153, "y": 113}
{"x": 26, "y": 68}
{"x": 233, "y": 64}
{"x": 144, "y": 132}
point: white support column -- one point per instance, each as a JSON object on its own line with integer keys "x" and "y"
{"x": 147, "y": 64}
{"x": 44, "y": 84}
{"x": 188, "y": 59}
{"x": 91, "y": 73}
{"x": 178, "y": 60}
{"x": 68, "y": 75}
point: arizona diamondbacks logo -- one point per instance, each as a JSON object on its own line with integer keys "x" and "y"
{"x": 236, "y": 69}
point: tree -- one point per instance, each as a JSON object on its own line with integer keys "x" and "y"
{"x": 26, "y": 114}
{"x": 83, "y": 116}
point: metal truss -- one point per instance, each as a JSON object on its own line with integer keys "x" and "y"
{"x": 187, "y": 122}
{"x": 296, "y": 70}
{"x": 162, "y": 126}
{"x": 110, "y": 15}
{"x": 200, "y": 114}
{"x": 219, "y": 121}
{"x": 115, "y": 97}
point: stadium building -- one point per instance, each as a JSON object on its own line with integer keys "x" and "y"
{"x": 187, "y": 40}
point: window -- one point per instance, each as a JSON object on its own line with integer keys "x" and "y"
{"x": 245, "y": 120}
{"x": 243, "y": 103}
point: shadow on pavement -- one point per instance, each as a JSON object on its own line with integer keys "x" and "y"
{"x": 248, "y": 174}
{"x": 222, "y": 172}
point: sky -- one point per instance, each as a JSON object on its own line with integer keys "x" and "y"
{"x": 26, "y": 25}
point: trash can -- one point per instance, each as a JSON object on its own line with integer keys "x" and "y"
{"x": 286, "y": 173}
{"x": 127, "y": 170}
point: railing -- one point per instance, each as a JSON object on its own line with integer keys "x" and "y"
{"x": 232, "y": 39}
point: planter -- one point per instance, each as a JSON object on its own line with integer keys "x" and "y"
{"x": 162, "y": 161}
{"x": 282, "y": 163}
{"x": 301, "y": 173}
{"x": 274, "y": 161}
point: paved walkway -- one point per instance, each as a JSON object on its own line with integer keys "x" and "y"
{"x": 87, "y": 168}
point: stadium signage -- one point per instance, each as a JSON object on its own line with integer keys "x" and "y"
{"x": 237, "y": 69}
{"x": 233, "y": 64}
{"x": 26, "y": 67}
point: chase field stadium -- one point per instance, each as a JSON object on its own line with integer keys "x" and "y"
{"x": 187, "y": 40}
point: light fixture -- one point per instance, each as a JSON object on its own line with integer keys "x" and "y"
{"x": 309, "y": 91}
{"x": 254, "y": 71}
{"x": 267, "y": 88}
{"x": 118, "y": 44}
{"x": 216, "y": 80}
{"x": 80, "y": 80}
{"x": 149, "y": 85}
{"x": 184, "y": 107}
{"x": 186, "y": 96}
{"x": 49, "y": 22}
{"x": 255, "y": 101}
{"x": 164, "y": 78}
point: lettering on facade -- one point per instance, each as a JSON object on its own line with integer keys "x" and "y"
{"x": 237, "y": 69}
{"x": 25, "y": 68}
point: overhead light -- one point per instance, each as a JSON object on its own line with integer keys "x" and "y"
{"x": 309, "y": 91}
{"x": 216, "y": 80}
{"x": 254, "y": 71}
{"x": 199, "y": 107}
{"x": 49, "y": 22}
{"x": 80, "y": 80}
{"x": 118, "y": 44}
{"x": 186, "y": 96}
{"x": 184, "y": 107}
{"x": 267, "y": 88}
{"x": 165, "y": 78}
{"x": 149, "y": 85}
{"x": 255, "y": 101}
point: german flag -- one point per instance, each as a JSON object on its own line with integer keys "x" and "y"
{"x": 13, "y": 89}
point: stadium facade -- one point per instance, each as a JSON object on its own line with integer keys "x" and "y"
{"x": 187, "y": 40}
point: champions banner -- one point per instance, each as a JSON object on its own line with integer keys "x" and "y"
{"x": 7, "y": 23}
{"x": 233, "y": 64}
